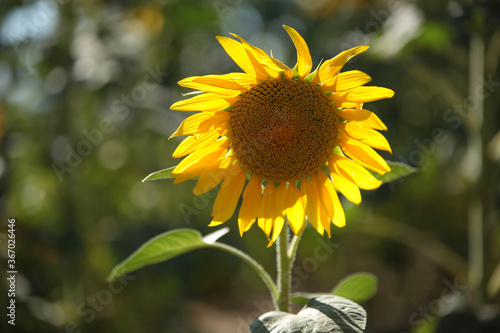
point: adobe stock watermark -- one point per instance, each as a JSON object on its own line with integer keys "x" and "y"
{"x": 455, "y": 117}
{"x": 437, "y": 307}
{"x": 120, "y": 110}
{"x": 88, "y": 309}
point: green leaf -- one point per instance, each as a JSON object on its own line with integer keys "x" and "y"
{"x": 174, "y": 243}
{"x": 302, "y": 297}
{"x": 428, "y": 325}
{"x": 358, "y": 287}
{"x": 322, "y": 314}
{"x": 160, "y": 174}
{"x": 164, "y": 247}
{"x": 398, "y": 170}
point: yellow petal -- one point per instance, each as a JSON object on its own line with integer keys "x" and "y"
{"x": 349, "y": 105}
{"x": 194, "y": 170}
{"x": 195, "y": 142}
{"x": 269, "y": 62}
{"x": 218, "y": 122}
{"x": 260, "y": 72}
{"x": 229, "y": 194}
{"x": 368, "y": 94}
{"x": 238, "y": 53}
{"x": 265, "y": 217}
{"x": 276, "y": 65}
{"x": 332, "y": 67}
{"x": 362, "y": 95}
{"x": 354, "y": 172}
{"x": 257, "y": 56}
{"x": 205, "y": 158}
{"x": 345, "y": 185}
{"x": 312, "y": 205}
{"x": 325, "y": 220}
{"x": 323, "y": 187}
{"x": 324, "y": 190}
{"x": 194, "y": 158}
{"x": 212, "y": 177}
{"x": 194, "y": 83}
{"x": 362, "y": 154}
{"x": 363, "y": 117}
{"x": 304, "y": 61}
{"x": 346, "y": 81}
{"x": 204, "y": 122}
{"x": 208, "y": 180}
{"x": 190, "y": 124}
{"x": 278, "y": 211}
{"x": 295, "y": 209}
{"x": 339, "y": 217}
{"x": 366, "y": 135}
{"x": 205, "y": 102}
{"x": 234, "y": 81}
{"x": 250, "y": 205}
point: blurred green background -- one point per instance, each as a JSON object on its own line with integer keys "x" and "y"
{"x": 85, "y": 90}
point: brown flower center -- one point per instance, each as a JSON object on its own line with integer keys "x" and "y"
{"x": 283, "y": 130}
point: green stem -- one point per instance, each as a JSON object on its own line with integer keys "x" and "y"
{"x": 293, "y": 247}
{"x": 284, "y": 272}
{"x": 255, "y": 265}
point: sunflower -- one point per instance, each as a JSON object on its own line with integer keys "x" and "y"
{"x": 296, "y": 135}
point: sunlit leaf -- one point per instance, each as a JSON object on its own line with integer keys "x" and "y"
{"x": 303, "y": 298}
{"x": 164, "y": 247}
{"x": 398, "y": 170}
{"x": 358, "y": 287}
{"x": 160, "y": 174}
